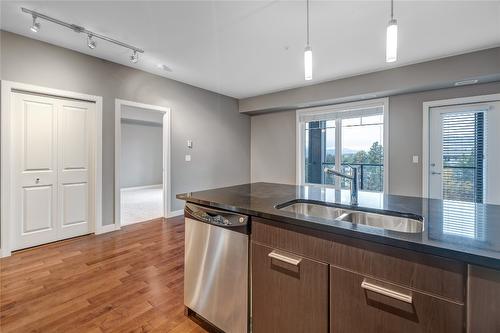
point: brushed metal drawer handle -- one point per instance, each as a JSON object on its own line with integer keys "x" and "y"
{"x": 386, "y": 292}
{"x": 284, "y": 258}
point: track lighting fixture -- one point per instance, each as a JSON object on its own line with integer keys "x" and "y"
{"x": 35, "y": 27}
{"x": 91, "y": 42}
{"x": 391, "y": 52}
{"x": 134, "y": 57}
{"x": 91, "y": 36}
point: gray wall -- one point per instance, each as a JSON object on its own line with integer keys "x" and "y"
{"x": 435, "y": 74}
{"x": 273, "y": 147}
{"x": 141, "y": 153}
{"x": 273, "y": 139}
{"x": 221, "y": 135}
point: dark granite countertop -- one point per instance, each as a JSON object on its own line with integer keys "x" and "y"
{"x": 458, "y": 230}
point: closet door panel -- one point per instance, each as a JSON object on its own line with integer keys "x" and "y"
{"x": 34, "y": 182}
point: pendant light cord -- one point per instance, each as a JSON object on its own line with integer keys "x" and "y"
{"x": 392, "y": 9}
{"x": 307, "y": 20}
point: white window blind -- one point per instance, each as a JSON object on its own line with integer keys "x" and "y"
{"x": 326, "y": 115}
{"x": 464, "y": 141}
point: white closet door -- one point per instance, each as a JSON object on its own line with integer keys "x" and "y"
{"x": 73, "y": 161}
{"x": 35, "y": 165}
{"x": 51, "y": 163}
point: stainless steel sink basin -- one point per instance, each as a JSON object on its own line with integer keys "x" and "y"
{"x": 310, "y": 209}
{"x": 401, "y": 223}
{"x": 388, "y": 222}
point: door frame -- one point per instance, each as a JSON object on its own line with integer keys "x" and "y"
{"x": 167, "y": 185}
{"x": 7, "y": 88}
{"x": 425, "y": 128}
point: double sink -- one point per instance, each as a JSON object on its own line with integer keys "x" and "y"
{"x": 396, "y": 221}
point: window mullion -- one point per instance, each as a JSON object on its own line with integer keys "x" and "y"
{"x": 338, "y": 150}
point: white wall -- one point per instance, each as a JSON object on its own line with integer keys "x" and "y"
{"x": 141, "y": 153}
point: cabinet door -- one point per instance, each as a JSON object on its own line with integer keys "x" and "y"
{"x": 362, "y": 304}
{"x": 483, "y": 301}
{"x": 289, "y": 293}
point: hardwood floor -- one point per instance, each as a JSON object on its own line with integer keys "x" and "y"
{"x": 125, "y": 281}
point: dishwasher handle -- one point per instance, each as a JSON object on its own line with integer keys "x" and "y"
{"x": 216, "y": 217}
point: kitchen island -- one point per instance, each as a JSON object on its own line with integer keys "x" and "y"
{"x": 316, "y": 274}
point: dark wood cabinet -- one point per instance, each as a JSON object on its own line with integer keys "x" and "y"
{"x": 483, "y": 301}
{"x": 350, "y": 285}
{"x": 289, "y": 292}
{"x": 427, "y": 273}
{"x": 362, "y": 304}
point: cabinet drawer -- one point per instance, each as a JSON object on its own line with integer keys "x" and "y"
{"x": 289, "y": 293}
{"x": 427, "y": 273}
{"x": 361, "y": 304}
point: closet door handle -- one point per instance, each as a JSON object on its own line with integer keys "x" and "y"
{"x": 291, "y": 260}
{"x": 386, "y": 292}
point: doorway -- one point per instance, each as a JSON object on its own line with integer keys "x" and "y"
{"x": 462, "y": 152}
{"x": 142, "y": 172}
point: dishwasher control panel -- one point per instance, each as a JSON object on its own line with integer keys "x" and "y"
{"x": 215, "y": 216}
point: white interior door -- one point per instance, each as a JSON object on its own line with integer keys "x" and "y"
{"x": 464, "y": 154}
{"x": 35, "y": 165}
{"x": 51, "y": 169}
{"x": 73, "y": 168}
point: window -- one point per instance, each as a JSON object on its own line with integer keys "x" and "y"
{"x": 339, "y": 137}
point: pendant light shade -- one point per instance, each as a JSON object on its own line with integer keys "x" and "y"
{"x": 308, "y": 74}
{"x": 308, "y": 63}
{"x": 391, "y": 51}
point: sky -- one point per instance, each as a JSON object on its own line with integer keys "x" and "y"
{"x": 356, "y": 137}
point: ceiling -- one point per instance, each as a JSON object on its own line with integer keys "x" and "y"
{"x": 248, "y": 48}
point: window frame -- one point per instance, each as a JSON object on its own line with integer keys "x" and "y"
{"x": 333, "y": 109}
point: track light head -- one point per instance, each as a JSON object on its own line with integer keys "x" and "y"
{"x": 91, "y": 42}
{"x": 35, "y": 27}
{"x": 134, "y": 57}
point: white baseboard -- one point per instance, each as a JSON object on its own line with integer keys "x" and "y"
{"x": 175, "y": 213}
{"x": 5, "y": 253}
{"x": 133, "y": 188}
{"x": 107, "y": 228}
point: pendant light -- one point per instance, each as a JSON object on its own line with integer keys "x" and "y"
{"x": 307, "y": 52}
{"x": 391, "y": 52}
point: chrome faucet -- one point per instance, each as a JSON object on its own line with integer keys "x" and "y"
{"x": 353, "y": 177}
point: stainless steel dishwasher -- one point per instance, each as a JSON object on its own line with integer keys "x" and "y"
{"x": 216, "y": 269}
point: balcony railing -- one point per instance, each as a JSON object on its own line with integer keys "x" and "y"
{"x": 371, "y": 176}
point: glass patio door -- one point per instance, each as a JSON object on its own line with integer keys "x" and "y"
{"x": 464, "y": 152}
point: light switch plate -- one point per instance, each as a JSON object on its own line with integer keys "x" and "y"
{"x": 415, "y": 158}
{"x": 188, "y": 158}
